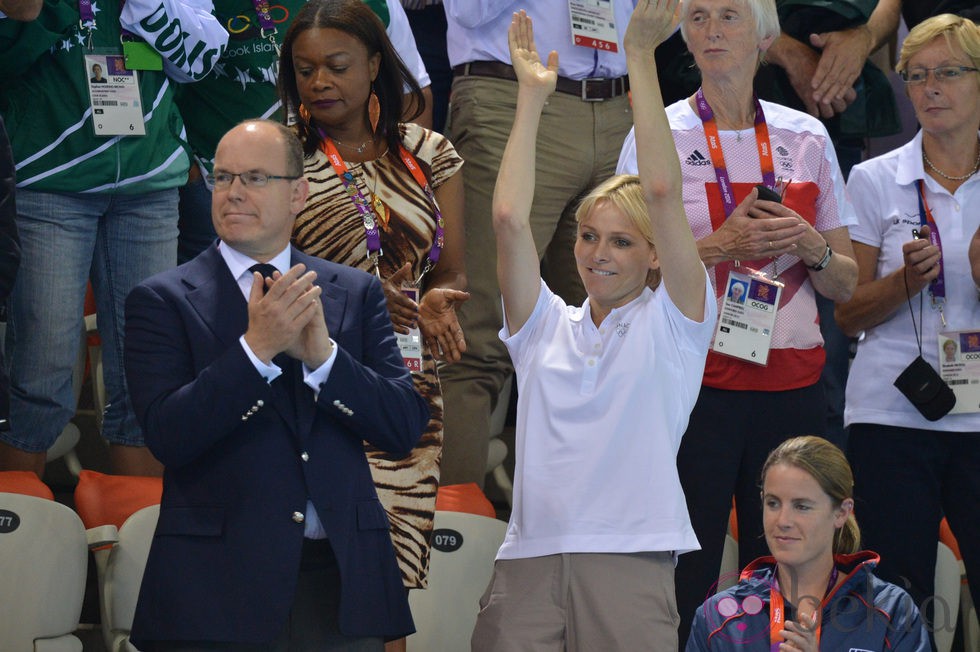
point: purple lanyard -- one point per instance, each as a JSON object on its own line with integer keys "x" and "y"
{"x": 268, "y": 27}
{"x": 85, "y": 11}
{"x": 371, "y": 233}
{"x": 717, "y": 157}
{"x": 937, "y": 288}
{"x": 265, "y": 17}
{"x": 369, "y": 219}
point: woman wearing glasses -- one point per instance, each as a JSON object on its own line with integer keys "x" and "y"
{"x": 385, "y": 197}
{"x": 918, "y": 208}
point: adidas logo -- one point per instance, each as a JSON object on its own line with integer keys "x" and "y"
{"x": 782, "y": 151}
{"x": 697, "y": 158}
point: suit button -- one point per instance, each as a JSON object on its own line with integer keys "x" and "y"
{"x": 305, "y": 456}
{"x": 298, "y": 517}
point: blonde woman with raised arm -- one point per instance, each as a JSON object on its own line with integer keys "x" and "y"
{"x": 605, "y": 388}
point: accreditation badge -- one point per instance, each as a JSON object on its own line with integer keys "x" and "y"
{"x": 594, "y": 24}
{"x": 114, "y": 92}
{"x": 410, "y": 344}
{"x": 747, "y": 316}
{"x": 959, "y": 366}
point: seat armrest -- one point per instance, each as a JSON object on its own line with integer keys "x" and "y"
{"x": 102, "y": 536}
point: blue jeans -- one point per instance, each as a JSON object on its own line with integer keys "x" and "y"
{"x": 117, "y": 241}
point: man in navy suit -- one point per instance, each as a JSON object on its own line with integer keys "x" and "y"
{"x": 255, "y": 390}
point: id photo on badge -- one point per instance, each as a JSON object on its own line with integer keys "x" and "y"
{"x": 736, "y": 290}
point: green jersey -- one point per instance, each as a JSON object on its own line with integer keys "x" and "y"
{"x": 44, "y": 96}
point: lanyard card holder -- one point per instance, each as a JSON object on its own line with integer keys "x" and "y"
{"x": 114, "y": 94}
{"x": 748, "y": 316}
{"x": 410, "y": 344}
{"x": 959, "y": 366}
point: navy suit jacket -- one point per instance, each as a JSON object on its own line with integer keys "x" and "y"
{"x": 242, "y": 456}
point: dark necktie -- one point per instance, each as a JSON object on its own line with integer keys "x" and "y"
{"x": 265, "y": 269}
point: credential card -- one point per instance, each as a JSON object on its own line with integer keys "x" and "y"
{"x": 114, "y": 93}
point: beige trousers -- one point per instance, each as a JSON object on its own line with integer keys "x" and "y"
{"x": 579, "y": 602}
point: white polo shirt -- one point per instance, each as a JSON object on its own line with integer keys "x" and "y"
{"x": 599, "y": 421}
{"x": 883, "y": 191}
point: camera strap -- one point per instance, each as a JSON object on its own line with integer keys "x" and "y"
{"x": 908, "y": 299}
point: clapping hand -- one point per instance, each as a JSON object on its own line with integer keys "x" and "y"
{"x": 800, "y": 636}
{"x": 439, "y": 324}
{"x": 285, "y": 314}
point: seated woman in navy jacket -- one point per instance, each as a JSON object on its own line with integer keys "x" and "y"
{"x": 817, "y": 591}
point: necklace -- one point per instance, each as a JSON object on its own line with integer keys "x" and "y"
{"x": 976, "y": 166}
{"x": 380, "y": 208}
{"x": 357, "y": 149}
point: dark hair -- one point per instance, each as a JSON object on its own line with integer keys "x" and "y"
{"x": 357, "y": 19}
{"x": 827, "y": 465}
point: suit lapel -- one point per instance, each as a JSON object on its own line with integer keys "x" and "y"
{"x": 215, "y": 295}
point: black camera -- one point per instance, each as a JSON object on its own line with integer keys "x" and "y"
{"x": 926, "y": 390}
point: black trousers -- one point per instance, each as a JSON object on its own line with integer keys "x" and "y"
{"x": 905, "y": 481}
{"x": 313, "y": 620}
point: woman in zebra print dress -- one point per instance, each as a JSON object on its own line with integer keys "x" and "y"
{"x": 385, "y": 197}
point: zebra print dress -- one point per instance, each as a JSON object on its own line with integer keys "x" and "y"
{"x": 330, "y": 227}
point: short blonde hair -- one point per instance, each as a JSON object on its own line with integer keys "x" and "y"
{"x": 624, "y": 192}
{"x": 957, "y": 30}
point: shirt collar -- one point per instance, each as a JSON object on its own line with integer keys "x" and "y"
{"x": 584, "y": 313}
{"x": 910, "y": 168}
{"x": 238, "y": 263}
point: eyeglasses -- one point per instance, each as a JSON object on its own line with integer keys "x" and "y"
{"x": 254, "y": 179}
{"x": 942, "y": 74}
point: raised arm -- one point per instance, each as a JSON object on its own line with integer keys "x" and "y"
{"x": 656, "y": 158}
{"x": 518, "y": 268}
